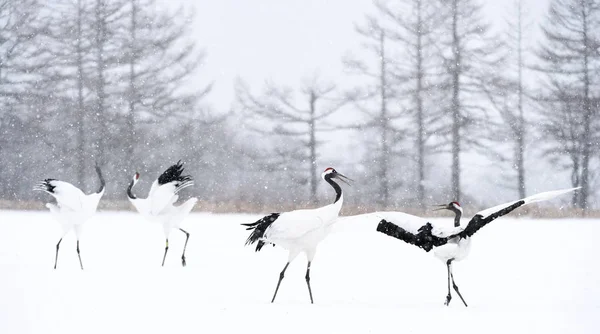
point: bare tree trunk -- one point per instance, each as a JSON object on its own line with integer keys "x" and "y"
{"x": 384, "y": 196}
{"x": 80, "y": 102}
{"x": 420, "y": 113}
{"x": 520, "y": 149}
{"x": 587, "y": 117}
{"x": 456, "y": 119}
{"x": 101, "y": 136}
{"x": 132, "y": 90}
{"x": 313, "y": 149}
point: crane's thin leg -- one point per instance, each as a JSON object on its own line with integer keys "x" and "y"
{"x": 187, "y": 236}
{"x": 56, "y": 257}
{"x": 166, "y": 249}
{"x": 308, "y": 282}
{"x": 456, "y": 288}
{"x": 79, "y": 255}
{"x": 280, "y": 279}
{"x": 449, "y": 296}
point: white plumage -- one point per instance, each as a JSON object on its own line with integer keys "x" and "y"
{"x": 299, "y": 231}
{"x": 159, "y": 205}
{"x": 73, "y": 207}
{"x": 449, "y": 243}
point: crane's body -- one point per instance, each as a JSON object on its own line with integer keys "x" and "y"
{"x": 298, "y": 231}
{"x": 160, "y": 207}
{"x": 73, "y": 207}
{"x": 450, "y": 244}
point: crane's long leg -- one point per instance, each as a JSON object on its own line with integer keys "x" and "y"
{"x": 56, "y": 257}
{"x": 166, "y": 249}
{"x": 308, "y": 282}
{"x": 281, "y": 275}
{"x": 187, "y": 236}
{"x": 456, "y": 288}
{"x": 449, "y": 296}
{"x": 79, "y": 255}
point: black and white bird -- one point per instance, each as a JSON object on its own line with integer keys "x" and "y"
{"x": 73, "y": 208}
{"x": 299, "y": 231}
{"x": 159, "y": 205}
{"x": 450, "y": 244}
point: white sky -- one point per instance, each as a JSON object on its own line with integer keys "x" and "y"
{"x": 287, "y": 40}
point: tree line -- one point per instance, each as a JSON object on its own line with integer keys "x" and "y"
{"x": 107, "y": 82}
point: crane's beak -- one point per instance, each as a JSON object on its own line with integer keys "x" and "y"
{"x": 343, "y": 178}
{"x": 441, "y": 207}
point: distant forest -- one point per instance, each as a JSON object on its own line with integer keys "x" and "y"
{"x": 108, "y": 82}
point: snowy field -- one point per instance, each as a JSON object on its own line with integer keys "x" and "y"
{"x": 523, "y": 276}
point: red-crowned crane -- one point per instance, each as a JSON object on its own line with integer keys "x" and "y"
{"x": 450, "y": 244}
{"x": 299, "y": 230}
{"x": 73, "y": 208}
{"x": 158, "y": 206}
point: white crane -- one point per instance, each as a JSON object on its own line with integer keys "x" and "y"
{"x": 299, "y": 230}
{"x": 450, "y": 244}
{"x": 158, "y": 206}
{"x": 73, "y": 208}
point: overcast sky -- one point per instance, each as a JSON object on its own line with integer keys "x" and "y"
{"x": 286, "y": 40}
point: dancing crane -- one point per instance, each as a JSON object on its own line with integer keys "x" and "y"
{"x": 299, "y": 230}
{"x": 450, "y": 244}
{"x": 158, "y": 206}
{"x": 73, "y": 208}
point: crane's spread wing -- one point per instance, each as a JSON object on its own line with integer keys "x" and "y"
{"x": 67, "y": 195}
{"x": 410, "y": 229}
{"x": 164, "y": 190}
{"x": 161, "y": 196}
{"x": 486, "y": 216}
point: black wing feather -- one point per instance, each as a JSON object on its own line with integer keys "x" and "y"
{"x": 478, "y": 221}
{"x": 173, "y": 173}
{"x": 259, "y": 228}
{"x": 423, "y": 239}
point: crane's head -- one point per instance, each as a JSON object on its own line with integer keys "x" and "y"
{"x": 136, "y": 178}
{"x": 333, "y": 174}
{"x": 452, "y": 206}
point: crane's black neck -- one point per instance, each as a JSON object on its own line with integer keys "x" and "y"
{"x": 336, "y": 187}
{"x": 102, "y": 183}
{"x": 457, "y": 216}
{"x": 129, "y": 193}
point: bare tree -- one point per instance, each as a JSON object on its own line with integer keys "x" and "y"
{"x": 107, "y": 22}
{"x": 161, "y": 56}
{"x": 71, "y": 69}
{"x": 471, "y": 58}
{"x": 509, "y": 94}
{"x": 570, "y": 62}
{"x": 413, "y": 24}
{"x": 378, "y": 117}
{"x": 293, "y": 120}
{"x": 23, "y": 79}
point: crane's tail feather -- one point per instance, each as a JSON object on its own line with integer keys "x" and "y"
{"x": 258, "y": 229}
{"x": 423, "y": 239}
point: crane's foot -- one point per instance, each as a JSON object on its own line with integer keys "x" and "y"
{"x": 448, "y": 298}
{"x": 183, "y": 261}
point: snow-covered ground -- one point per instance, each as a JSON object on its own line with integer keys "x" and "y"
{"x": 523, "y": 276}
